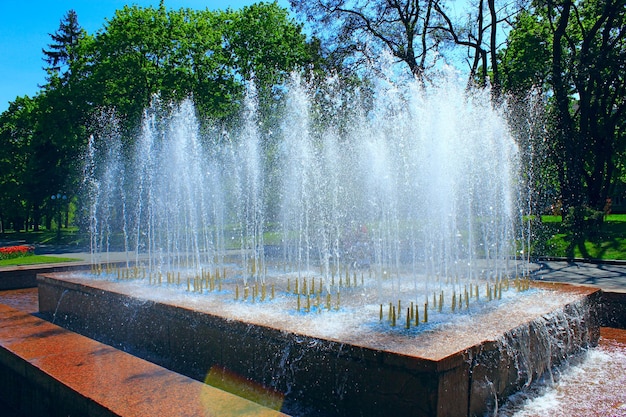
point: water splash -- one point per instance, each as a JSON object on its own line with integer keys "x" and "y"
{"x": 592, "y": 384}
{"x": 412, "y": 183}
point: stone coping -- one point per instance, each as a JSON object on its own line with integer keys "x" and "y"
{"x": 434, "y": 348}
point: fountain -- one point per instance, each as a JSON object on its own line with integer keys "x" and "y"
{"x": 355, "y": 256}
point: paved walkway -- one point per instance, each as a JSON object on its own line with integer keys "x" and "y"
{"x": 608, "y": 276}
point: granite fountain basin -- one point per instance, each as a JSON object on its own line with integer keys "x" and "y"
{"x": 325, "y": 363}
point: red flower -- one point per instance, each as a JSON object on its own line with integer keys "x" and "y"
{"x": 18, "y": 251}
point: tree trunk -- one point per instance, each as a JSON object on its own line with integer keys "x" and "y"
{"x": 495, "y": 80}
{"x": 36, "y": 217}
{"x": 571, "y": 187}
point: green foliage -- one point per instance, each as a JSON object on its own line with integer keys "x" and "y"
{"x": 573, "y": 52}
{"x": 17, "y": 129}
{"x": 141, "y": 54}
{"x": 134, "y": 58}
{"x": 265, "y": 48}
{"x": 525, "y": 63}
{"x": 44, "y": 136}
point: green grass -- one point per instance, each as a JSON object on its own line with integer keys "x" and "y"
{"x": 71, "y": 237}
{"x": 68, "y": 238}
{"x": 35, "y": 259}
{"x": 551, "y": 219}
{"x": 606, "y": 242}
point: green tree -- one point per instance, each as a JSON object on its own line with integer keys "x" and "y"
{"x": 576, "y": 52}
{"x": 357, "y": 32}
{"x": 203, "y": 64}
{"x": 124, "y": 65}
{"x": 17, "y": 127}
{"x": 62, "y": 52}
{"x": 44, "y": 137}
{"x": 60, "y": 135}
{"x": 58, "y": 145}
{"x": 525, "y": 62}
{"x": 142, "y": 52}
{"x": 43, "y": 146}
{"x": 139, "y": 54}
{"x": 266, "y": 45}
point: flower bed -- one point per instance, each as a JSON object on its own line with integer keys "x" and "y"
{"x": 19, "y": 251}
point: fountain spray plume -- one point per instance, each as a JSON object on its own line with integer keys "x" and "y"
{"x": 247, "y": 165}
{"x": 157, "y": 191}
{"x": 412, "y": 185}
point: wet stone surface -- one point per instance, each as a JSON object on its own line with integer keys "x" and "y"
{"x": 48, "y": 371}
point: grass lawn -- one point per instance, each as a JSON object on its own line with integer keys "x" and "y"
{"x": 67, "y": 237}
{"x": 35, "y": 259}
{"x": 606, "y": 242}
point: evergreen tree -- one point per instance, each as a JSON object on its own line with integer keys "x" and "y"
{"x": 59, "y": 138}
{"x": 62, "y": 51}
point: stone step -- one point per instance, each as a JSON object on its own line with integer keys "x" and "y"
{"x": 46, "y": 370}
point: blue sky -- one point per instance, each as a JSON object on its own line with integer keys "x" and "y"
{"x": 25, "y": 26}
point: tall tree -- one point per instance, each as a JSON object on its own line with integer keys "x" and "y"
{"x": 525, "y": 61}
{"x": 62, "y": 51}
{"x": 139, "y": 53}
{"x": 60, "y": 133}
{"x": 416, "y": 32}
{"x": 267, "y": 45}
{"x": 482, "y": 32}
{"x": 145, "y": 51}
{"x": 357, "y": 31}
{"x": 17, "y": 127}
{"x": 577, "y": 49}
